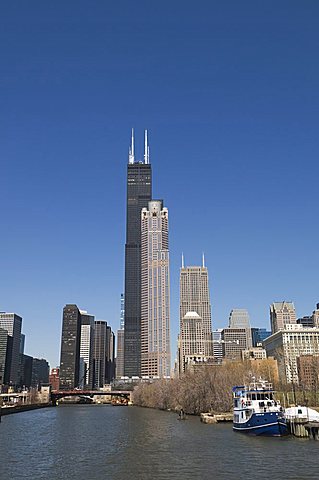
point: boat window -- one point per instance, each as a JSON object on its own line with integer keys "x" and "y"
{"x": 299, "y": 410}
{"x": 253, "y": 396}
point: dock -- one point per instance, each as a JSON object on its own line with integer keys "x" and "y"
{"x": 212, "y": 418}
{"x": 302, "y": 428}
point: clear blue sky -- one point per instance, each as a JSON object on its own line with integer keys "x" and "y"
{"x": 229, "y": 93}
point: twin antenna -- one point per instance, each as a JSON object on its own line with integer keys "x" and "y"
{"x": 203, "y": 260}
{"x": 131, "y": 154}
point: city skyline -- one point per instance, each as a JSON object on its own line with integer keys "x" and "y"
{"x": 230, "y": 100}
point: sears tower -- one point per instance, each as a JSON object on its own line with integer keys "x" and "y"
{"x": 139, "y": 193}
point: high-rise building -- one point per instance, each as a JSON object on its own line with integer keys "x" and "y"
{"x": 25, "y": 371}
{"x": 110, "y": 356}
{"x": 103, "y": 356}
{"x": 139, "y": 193}
{"x": 40, "y": 372}
{"x": 86, "y": 350}
{"x": 12, "y": 323}
{"x": 155, "y": 295}
{"x": 70, "y": 347}
{"x": 3, "y": 354}
{"x": 239, "y": 318}
{"x": 120, "y": 354}
{"x": 120, "y": 343}
{"x": 281, "y": 314}
{"x": 234, "y": 341}
{"x": 194, "y": 297}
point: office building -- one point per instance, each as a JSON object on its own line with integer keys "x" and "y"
{"x": 139, "y": 193}
{"x": 70, "y": 348}
{"x": 306, "y": 321}
{"x": 289, "y": 344}
{"x": 120, "y": 354}
{"x": 239, "y": 318}
{"x": 12, "y": 323}
{"x": 194, "y": 297}
{"x": 281, "y": 314}
{"x": 25, "y": 371}
{"x": 3, "y": 354}
{"x": 40, "y": 372}
{"x": 110, "y": 366}
{"x": 103, "y": 354}
{"x": 234, "y": 341}
{"x": 259, "y": 335}
{"x": 155, "y": 295}
{"x": 86, "y": 350}
{"x": 120, "y": 343}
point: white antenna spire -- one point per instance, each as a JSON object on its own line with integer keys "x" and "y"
{"x": 182, "y": 260}
{"x": 203, "y": 259}
{"x": 131, "y": 156}
{"x": 146, "y": 149}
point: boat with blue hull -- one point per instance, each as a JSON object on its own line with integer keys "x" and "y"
{"x": 257, "y": 412}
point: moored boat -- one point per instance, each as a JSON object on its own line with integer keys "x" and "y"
{"x": 256, "y": 411}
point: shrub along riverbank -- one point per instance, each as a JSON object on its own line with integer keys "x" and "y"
{"x": 207, "y": 389}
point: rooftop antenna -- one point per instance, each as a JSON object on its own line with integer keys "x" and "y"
{"x": 146, "y": 149}
{"x": 203, "y": 260}
{"x": 183, "y": 260}
{"x": 131, "y": 156}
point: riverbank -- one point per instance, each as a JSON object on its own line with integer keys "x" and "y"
{"x": 22, "y": 408}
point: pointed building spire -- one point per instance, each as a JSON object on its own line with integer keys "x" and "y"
{"x": 183, "y": 260}
{"x": 146, "y": 149}
{"x": 131, "y": 155}
{"x": 203, "y": 260}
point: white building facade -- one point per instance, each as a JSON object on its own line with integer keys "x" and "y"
{"x": 289, "y": 344}
{"x": 155, "y": 292}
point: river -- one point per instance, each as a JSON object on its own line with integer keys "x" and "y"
{"x": 97, "y": 442}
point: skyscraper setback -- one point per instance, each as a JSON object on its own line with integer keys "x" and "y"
{"x": 139, "y": 193}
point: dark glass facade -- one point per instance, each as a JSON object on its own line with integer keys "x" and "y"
{"x": 12, "y": 323}
{"x": 70, "y": 348}
{"x": 258, "y": 335}
{"x": 139, "y": 193}
{"x": 40, "y": 372}
{"x": 26, "y": 363}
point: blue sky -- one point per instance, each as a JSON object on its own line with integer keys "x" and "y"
{"x": 229, "y": 93}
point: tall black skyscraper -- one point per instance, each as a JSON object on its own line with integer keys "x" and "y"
{"x": 139, "y": 193}
{"x": 70, "y": 348}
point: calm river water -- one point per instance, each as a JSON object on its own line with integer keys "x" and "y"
{"x": 87, "y": 442}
